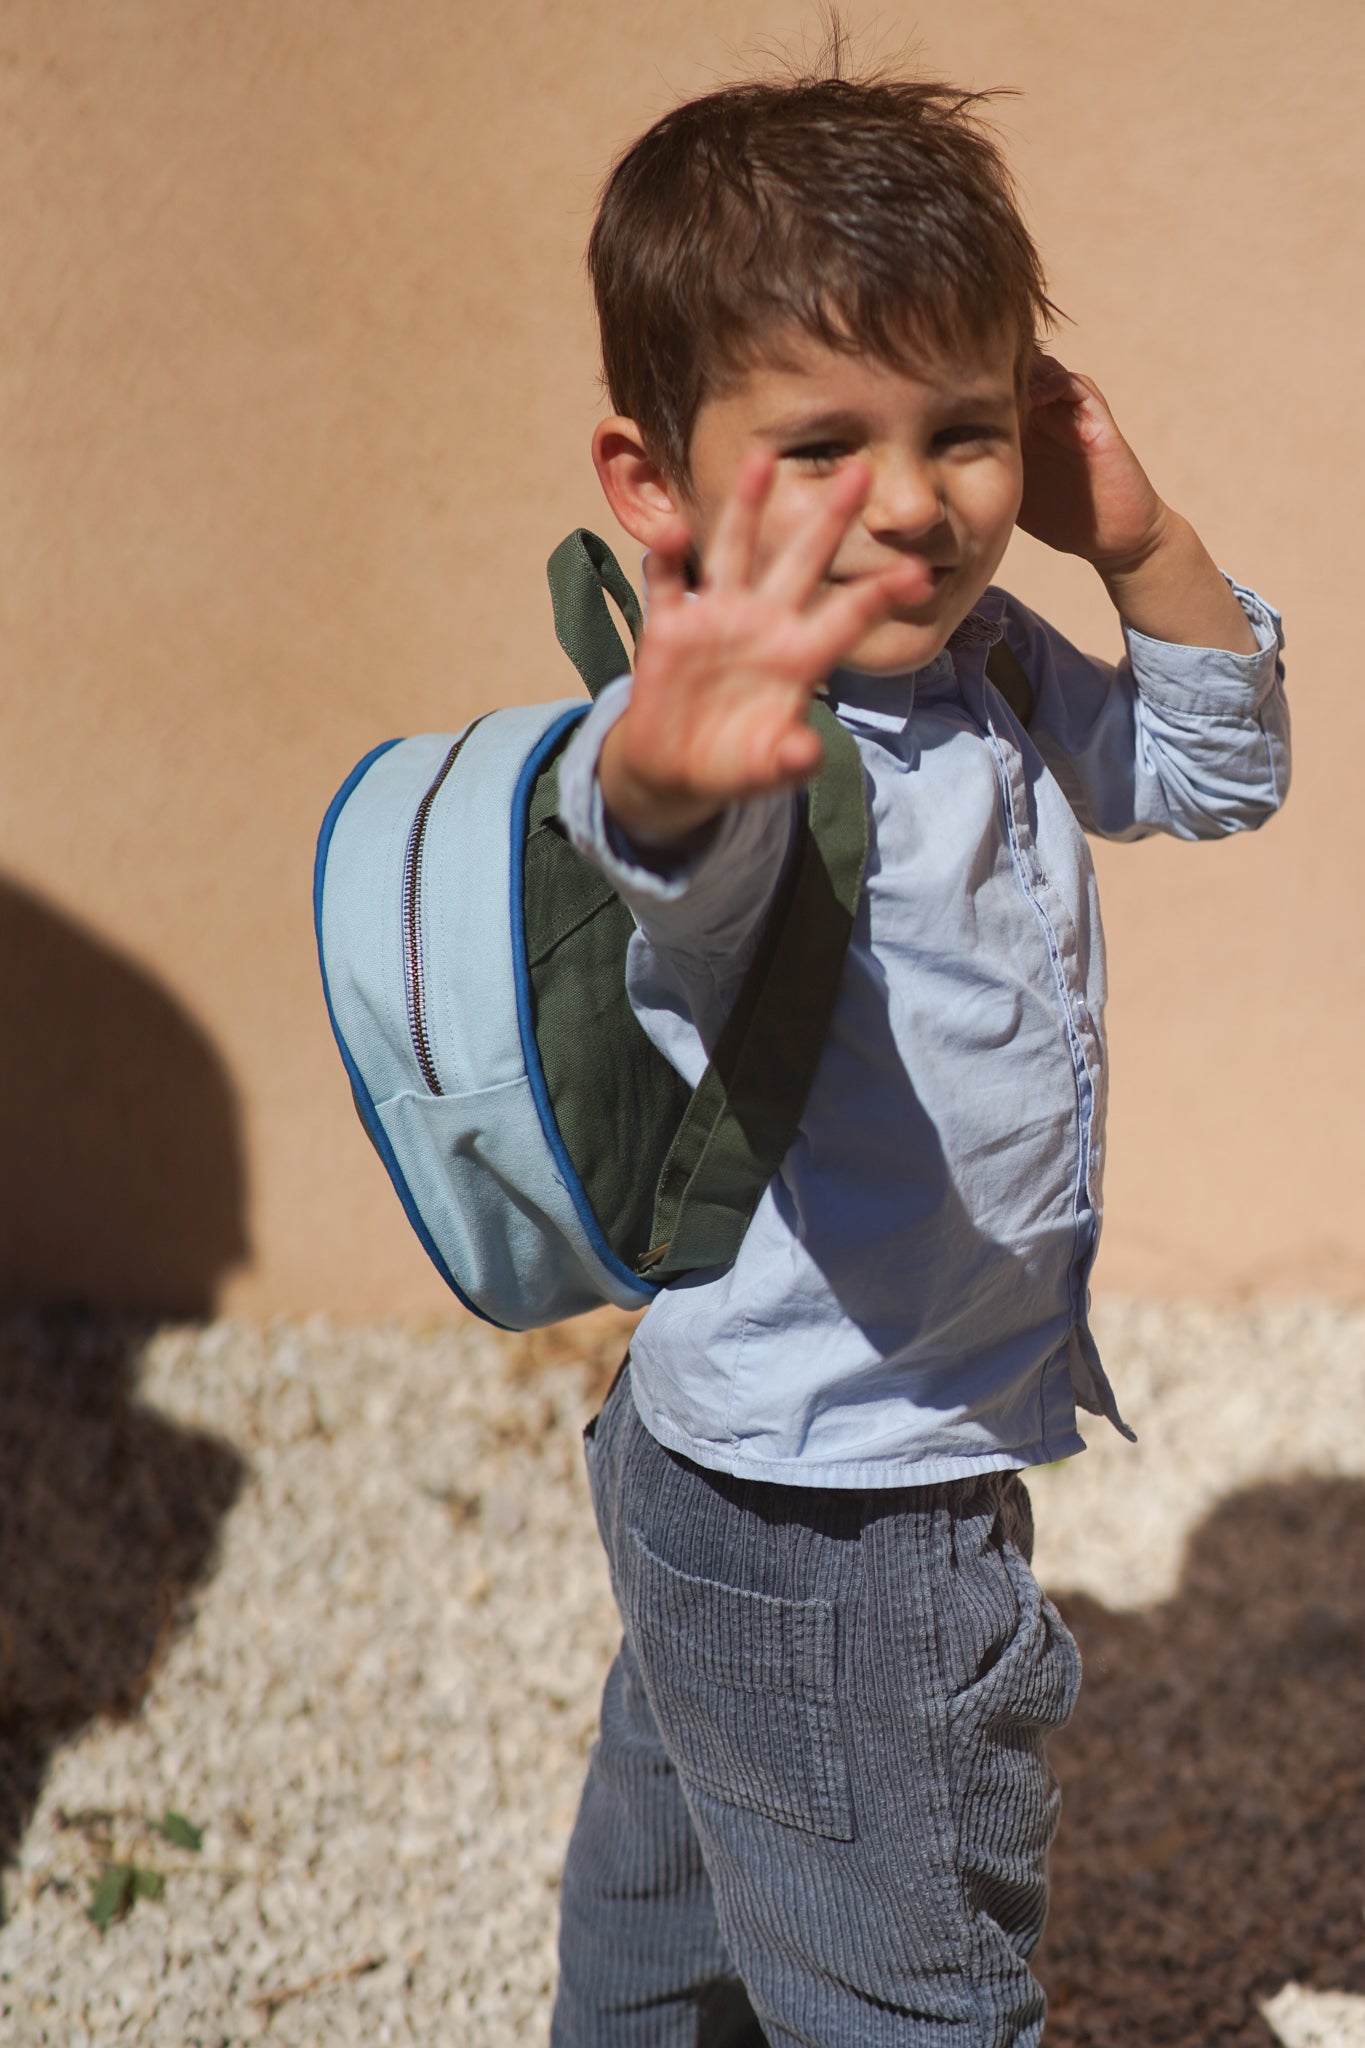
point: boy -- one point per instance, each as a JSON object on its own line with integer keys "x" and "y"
{"x": 819, "y": 1808}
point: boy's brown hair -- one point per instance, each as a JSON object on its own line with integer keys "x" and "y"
{"x": 876, "y": 216}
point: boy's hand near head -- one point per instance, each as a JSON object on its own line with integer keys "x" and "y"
{"x": 725, "y": 674}
{"x": 1086, "y": 493}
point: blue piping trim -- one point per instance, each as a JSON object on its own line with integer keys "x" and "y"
{"x": 364, "y": 1100}
{"x": 521, "y": 971}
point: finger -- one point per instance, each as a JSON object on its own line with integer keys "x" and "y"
{"x": 729, "y": 561}
{"x": 1045, "y": 371}
{"x": 1088, "y": 391}
{"x": 1056, "y": 415}
{"x": 1052, "y": 384}
{"x": 852, "y": 610}
{"x": 802, "y": 562}
{"x": 666, "y": 566}
{"x": 797, "y": 754}
{"x": 1072, "y": 418}
{"x": 775, "y": 759}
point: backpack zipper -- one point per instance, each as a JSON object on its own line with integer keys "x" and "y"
{"x": 412, "y": 920}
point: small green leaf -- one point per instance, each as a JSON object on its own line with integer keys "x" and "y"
{"x": 112, "y": 1896}
{"x": 182, "y": 1833}
{"x": 117, "y": 1888}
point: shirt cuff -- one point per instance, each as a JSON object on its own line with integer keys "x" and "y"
{"x": 1211, "y": 678}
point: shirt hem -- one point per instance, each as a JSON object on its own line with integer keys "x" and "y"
{"x": 853, "y": 1474}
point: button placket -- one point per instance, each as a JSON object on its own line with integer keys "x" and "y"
{"x": 1064, "y": 948}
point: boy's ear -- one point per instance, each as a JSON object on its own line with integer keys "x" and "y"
{"x": 639, "y": 493}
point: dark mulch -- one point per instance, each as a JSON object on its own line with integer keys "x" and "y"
{"x": 1213, "y": 1837}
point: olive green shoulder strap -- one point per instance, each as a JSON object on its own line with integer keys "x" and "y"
{"x": 1006, "y": 671}
{"x": 742, "y": 1119}
{"x": 744, "y": 1112}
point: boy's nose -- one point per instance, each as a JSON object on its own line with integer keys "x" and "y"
{"x": 904, "y": 501}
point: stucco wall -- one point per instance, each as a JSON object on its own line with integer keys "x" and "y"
{"x": 297, "y": 380}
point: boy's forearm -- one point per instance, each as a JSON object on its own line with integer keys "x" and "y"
{"x": 1175, "y": 592}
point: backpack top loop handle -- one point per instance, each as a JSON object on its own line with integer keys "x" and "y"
{"x": 582, "y": 572}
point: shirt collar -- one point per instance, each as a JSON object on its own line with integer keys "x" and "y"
{"x": 877, "y": 703}
{"x": 883, "y": 703}
{"x": 982, "y": 626}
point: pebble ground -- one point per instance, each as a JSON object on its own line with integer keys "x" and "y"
{"x": 376, "y": 1697}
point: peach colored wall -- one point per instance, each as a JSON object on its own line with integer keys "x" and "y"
{"x": 297, "y": 381}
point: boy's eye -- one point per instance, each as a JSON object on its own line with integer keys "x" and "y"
{"x": 965, "y": 433}
{"x": 818, "y": 456}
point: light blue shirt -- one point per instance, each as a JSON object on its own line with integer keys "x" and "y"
{"x": 910, "y": 1303}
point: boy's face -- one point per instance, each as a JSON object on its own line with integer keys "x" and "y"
{"x": 942, "y": 442}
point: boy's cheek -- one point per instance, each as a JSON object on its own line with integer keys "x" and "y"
{"x": 994, "y": 533}
{"x": 780, "y": 521}
{"x": 786, "y": 511}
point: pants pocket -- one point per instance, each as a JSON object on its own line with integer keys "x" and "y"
{"x": 1004, "y": 1792}
{"x": 742, "y": 1687}
{"x": 1029, "y": 1676}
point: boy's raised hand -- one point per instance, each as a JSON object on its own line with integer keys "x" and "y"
{"x": 724, "y": 678}
{"x": 1086, "y": 493}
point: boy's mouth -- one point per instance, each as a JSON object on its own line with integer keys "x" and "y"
{"x": 933, "y": 574}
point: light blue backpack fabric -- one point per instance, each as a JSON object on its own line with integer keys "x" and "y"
{"x": 426, "y": 990}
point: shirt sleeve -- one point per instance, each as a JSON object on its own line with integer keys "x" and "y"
{"x": 698, "y": 918}
{"x": 1193, "y": 741}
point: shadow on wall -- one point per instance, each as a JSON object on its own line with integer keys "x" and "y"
{"x": 121, "y": 1188}
{"x": 121, "y": 1176}
{"x": 1213, "y": 1780}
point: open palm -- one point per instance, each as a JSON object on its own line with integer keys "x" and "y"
{"x": 725, "y": 675}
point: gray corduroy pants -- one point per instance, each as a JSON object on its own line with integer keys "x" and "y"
{"x": 818, "y": 1809}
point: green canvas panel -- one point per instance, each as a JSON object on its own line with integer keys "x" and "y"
{"x": 674, "y": 1176}
{"x": 744, "y": 1115}
{"x": 617, "y": 1100}
{"x": 1007, "y": 672}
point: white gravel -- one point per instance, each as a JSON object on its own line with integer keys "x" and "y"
{"x": 380, "y": 1705}
{"x": 1316, "y": 2019}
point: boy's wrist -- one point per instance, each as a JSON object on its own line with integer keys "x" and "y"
{"x": 1169, "y": 588}
{"x": 660, "y": 820}
{"x": 1118, "y": 569}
